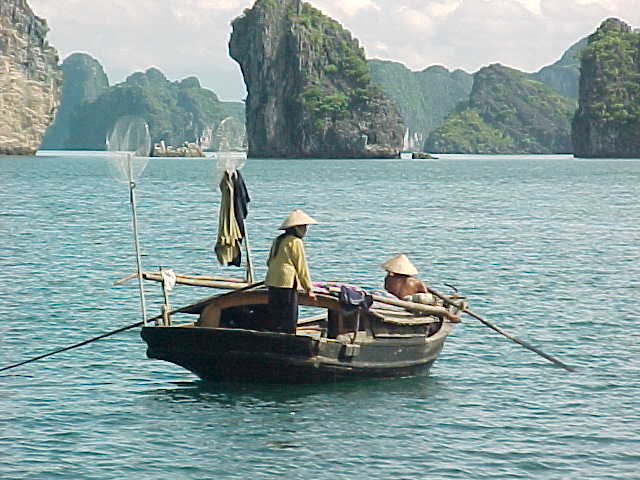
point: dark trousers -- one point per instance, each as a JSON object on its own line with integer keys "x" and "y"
{"x": 283, "y": 309}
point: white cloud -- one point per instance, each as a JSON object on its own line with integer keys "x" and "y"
{"x": 532, "y": 5}
{"x": 352, "y": 7}
{"x": 442, "y": 9}
{"x": 414, "y": 19}
{"x": 190, "y": 37}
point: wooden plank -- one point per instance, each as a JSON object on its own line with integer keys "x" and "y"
{"x": 157, "y": 277}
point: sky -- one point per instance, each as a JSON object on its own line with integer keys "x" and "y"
{"x": 190, "y": 37}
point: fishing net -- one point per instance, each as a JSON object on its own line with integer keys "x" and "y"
{"x": 229, "y": 136}
{"x": 227, "y": 161}
{"x": 128, "y": 144}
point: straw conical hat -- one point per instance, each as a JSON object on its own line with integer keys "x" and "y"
{"x": 400, "y": 264}
{"x": 297, "y": 217}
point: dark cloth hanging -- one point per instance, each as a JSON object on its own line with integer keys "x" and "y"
{"x": 233, "y": 211}
{"x": 240, "y": 201}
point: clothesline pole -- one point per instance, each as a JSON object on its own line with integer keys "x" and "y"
{"x": 247, "y": 248}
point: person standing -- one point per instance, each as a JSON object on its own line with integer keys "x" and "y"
{"x": 288, "y": 270}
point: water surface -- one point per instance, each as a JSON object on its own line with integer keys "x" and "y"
{"x": 547, "y": 247}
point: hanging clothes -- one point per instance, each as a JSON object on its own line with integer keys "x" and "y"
{"x": 240, "y": 200}
{"x": 229, "y": 234}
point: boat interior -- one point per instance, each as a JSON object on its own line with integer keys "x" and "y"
{"x": 321, "y": 317}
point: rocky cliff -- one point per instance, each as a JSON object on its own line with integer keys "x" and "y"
{"x": 84, "y": 81}
{"x": 506, "y": 113}
{"x": 29, "y": 79}
{"x": 424, "y": 98}
{"x": 607, "y": 123}
{"x": 176, "y": 112}
{"x": 310, "y": 93}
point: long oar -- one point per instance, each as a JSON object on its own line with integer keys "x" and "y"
{"x": 502, "y": 332}
{"x": 129, "y": 327}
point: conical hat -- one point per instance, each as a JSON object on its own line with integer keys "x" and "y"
{"x": 297, "y": 217}
{"x": 400, "y": 264}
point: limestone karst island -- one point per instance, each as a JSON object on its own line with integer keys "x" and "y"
{"x": 311, "y": 93}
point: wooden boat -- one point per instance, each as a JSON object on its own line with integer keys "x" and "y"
{"x": 232, "y": 338}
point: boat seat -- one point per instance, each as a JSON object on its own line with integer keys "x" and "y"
{"x": 313, "y": 332}
{"x": 348, "y": 337}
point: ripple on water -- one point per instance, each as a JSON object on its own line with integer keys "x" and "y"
{"x": 537, "y": 244}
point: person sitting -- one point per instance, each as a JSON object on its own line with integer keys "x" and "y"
{"x": 401, "y": 278}
{"x": 402, "y": 282}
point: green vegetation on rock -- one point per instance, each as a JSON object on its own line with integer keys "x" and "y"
{"x": 564, "y": 75}
{"x": 506, "y": 113}
{"x": 424, "y": 98}
{"x": 84, "y": 81}
{"x": 176, "y": 112}
{"x": 467, "y": 132}
{"x": 607, "y": 123}
{"x": 309, "y": 87}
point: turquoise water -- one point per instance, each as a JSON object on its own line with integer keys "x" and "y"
{"x": 546, "y": 247}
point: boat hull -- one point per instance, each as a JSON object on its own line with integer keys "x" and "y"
{"x": 247, "y": 355}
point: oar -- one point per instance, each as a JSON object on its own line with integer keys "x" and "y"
{"x": 129, "y": 327}
{"x": 502, "y": 332}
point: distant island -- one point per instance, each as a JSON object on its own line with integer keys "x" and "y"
{"x": 424, "y": 98}
{"x": 312, "y": 93}
{"x": 84, "y": 81}
{"x": 607, "y": 123}
{"x": 507, "y": 112}
{"x": 177, "y": 112}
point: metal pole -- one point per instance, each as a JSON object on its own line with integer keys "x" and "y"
{"x": 132, "y": 198}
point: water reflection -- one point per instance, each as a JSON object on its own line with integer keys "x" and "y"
{"x": 269, "y": 395}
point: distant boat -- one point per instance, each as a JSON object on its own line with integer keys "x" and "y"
{"x": 423, "y": 156}
{"x": 409, "y": 148}
{"x": 187, "y": 150}
{"x": 406, "y": 153}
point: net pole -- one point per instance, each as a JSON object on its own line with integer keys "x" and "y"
{"x": 136, "y": 241}
{"x": 250, "y": 276}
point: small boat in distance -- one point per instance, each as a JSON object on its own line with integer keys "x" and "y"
{"x": 410, "y": 144}
{"x": 187, "y": 150}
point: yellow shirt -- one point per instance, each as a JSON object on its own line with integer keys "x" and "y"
{"x": 288, "y": 264}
